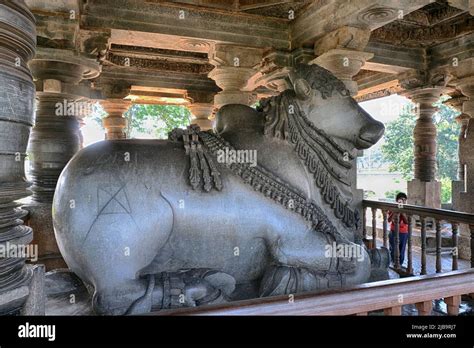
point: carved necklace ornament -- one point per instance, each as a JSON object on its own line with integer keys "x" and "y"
{"x": 258, "y": 177}
{"x": 202, "y": 171}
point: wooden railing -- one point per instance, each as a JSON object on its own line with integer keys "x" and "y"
{"x": 411, "y": 211}
{"x": 387, "y": 295}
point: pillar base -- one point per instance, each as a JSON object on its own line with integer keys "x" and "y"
{"x": 41, "y": 221}
{"x": 424, "y": 193}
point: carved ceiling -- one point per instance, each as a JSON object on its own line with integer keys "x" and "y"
{"x": 267, "y": 8}
{"x": 433, "y": 24}
{"x": 143, "y": 43}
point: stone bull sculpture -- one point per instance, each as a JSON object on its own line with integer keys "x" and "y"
{"x": 155, "y": 224}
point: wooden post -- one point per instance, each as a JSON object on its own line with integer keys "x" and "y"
{"x": 455, "y": 245}
{"x": 385, "y": 232}
{"x": 424, "y": 308}
{"x": 410, "y": 251}
{"x": 438, "y": 246}
{"x": 397, "y": 310}
{"x": 396, "y": 241}
{"x": 453, "y": 304}
{"x": 423, "y": 245}
{"x": 374, "y": 228}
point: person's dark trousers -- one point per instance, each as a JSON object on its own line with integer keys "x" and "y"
{"x": 402, "y": 246}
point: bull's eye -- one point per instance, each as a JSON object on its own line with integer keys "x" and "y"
{"x": 302, "y": 89}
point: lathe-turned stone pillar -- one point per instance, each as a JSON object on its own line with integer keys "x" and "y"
{"x": 115, "y": 123}
{"x": 424, "y": 189}
{"x": 55, "y": 138}
{"x": 17, "y": 92}
{"x": 341, "y": 52}
{"x": 234, "y": 65}
{"x": 201, "y": 113}
{"x": 201, "y": 108}
{"x": 466, "y": 145}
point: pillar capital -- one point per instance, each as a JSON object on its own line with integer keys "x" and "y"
{"x": 274, "y": 69}
{"x": 341, "y": 52}
{"x": 201, "y": 113}
{"x": 344, "y": 64}
{"x": 466, "y": 86}
{"x": 115, "y": 123}
{"x": 234, "y": 66}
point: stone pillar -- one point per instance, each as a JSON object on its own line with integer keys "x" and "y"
{"x": 115, "y": 123}
{"x": 55, "y": 137}
{"x": 424, "y": 189}
{"x": 458, "y": 186}
{"x": 234, "y": 66}
{"x": 201, "y": 113}
{"x": 17, "y": 91}
{"x": 341, "y": 52}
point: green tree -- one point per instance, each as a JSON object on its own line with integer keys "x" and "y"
{"x": 154, "y": 120}
{"x": 398, "y": 146}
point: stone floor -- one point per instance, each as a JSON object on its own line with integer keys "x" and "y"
{"x": 66, "y": 294}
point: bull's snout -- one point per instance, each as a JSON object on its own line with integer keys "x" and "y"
{"x": 370, "y": 134}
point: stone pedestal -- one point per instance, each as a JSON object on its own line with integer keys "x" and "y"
{"x": 40, "y": 220}
{"x": 115, "y": 123}
{"x": 424, "y": 193}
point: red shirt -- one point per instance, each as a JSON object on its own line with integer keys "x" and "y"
{"x": 403, "y": 222}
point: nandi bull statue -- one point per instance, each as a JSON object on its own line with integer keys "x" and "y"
{"x": 156, "y": 224}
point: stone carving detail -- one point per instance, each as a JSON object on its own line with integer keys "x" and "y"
{"x": 194, "y": 45}
{"x": 323, "y": 157}
{"x": 272, "y": 187}
{"x": 375, "y": 15}
{"x": 398, "y": 33}
{"x": 203, "y": 171}
{"x": 279, "y": 219}
{"x": 158, "y": 64}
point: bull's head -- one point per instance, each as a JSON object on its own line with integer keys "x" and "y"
{"x": 329, "y": 106}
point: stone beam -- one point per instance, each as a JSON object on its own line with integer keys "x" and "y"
{"x": 137, "y": 17}
{"x": 394, "y": 59}
{"x": 57, "y": 22}
{"x": 159, "y": 79}
{"x": 327, "y": 15}
{"x": 452, "y": 53}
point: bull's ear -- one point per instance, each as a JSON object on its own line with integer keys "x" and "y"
{"x": 302, "y": 89}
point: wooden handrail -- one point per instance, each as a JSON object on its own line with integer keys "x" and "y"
{"x": 438, "y": 214}
{"x": 453, "y": 217}
{"x": 388, "y": 295}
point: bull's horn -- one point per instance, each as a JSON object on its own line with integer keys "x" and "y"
{"x": 301, "y": 87}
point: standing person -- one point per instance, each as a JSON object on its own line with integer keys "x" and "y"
{"x": 403, "y": 230}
